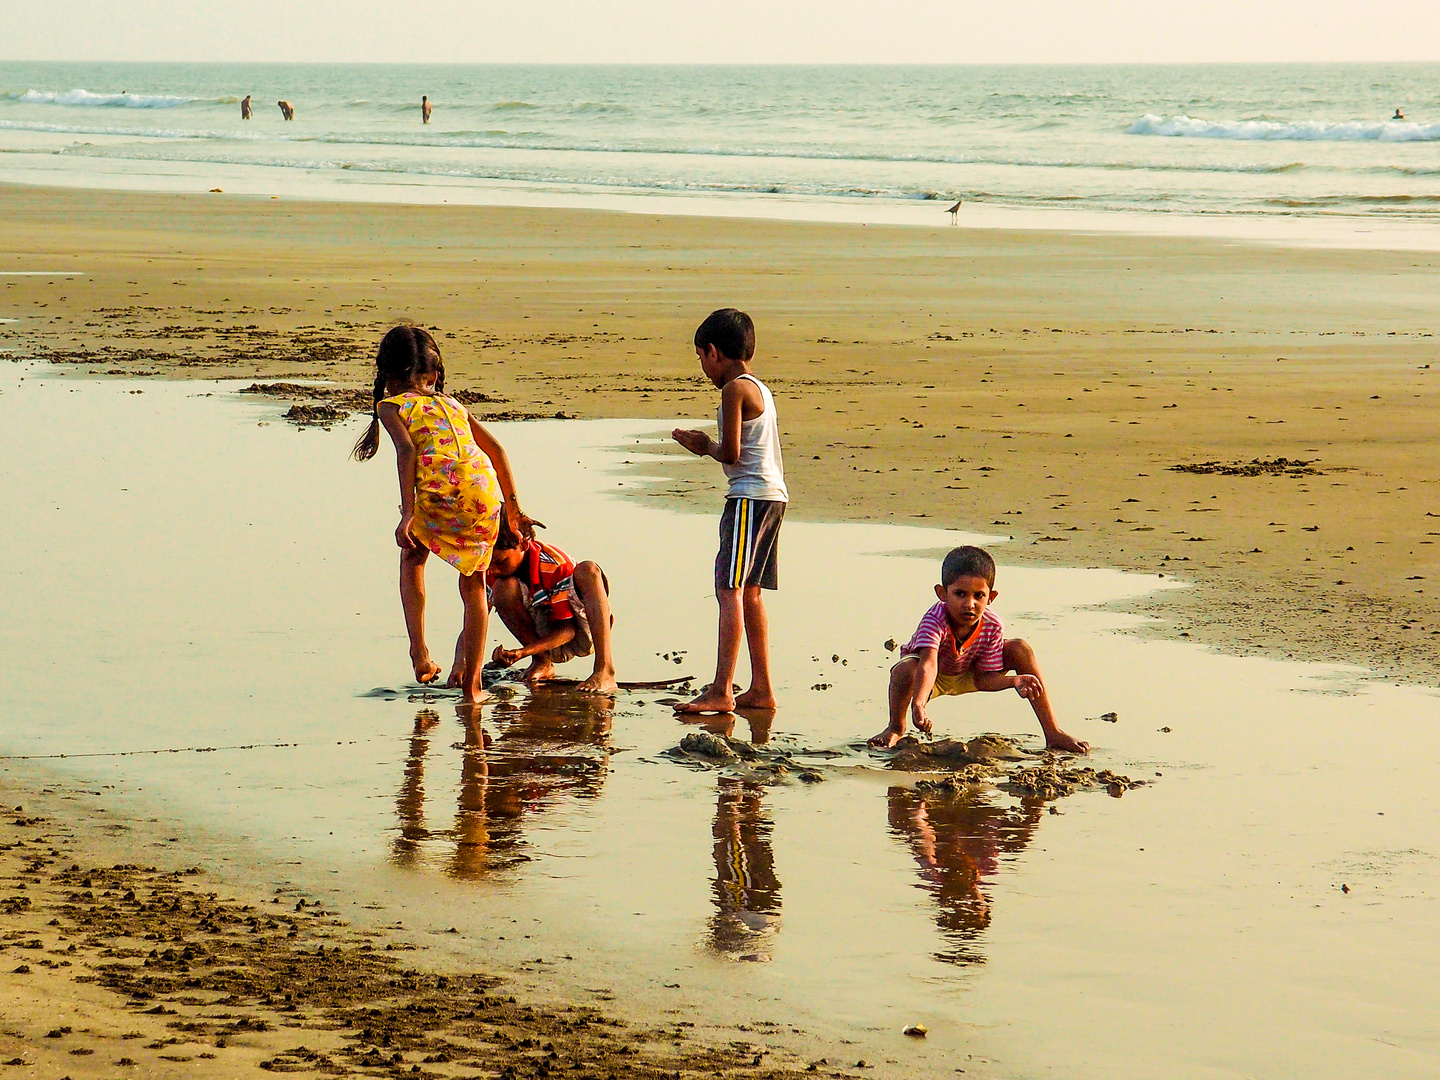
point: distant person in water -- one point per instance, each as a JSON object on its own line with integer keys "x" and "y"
{"x": 286, "y": 110}
{"x": 959, "y": 648}
{"x": 245, "y": 108}
{"x": 425, "y": 109}
{"x": 556, "y": 608}
{"x": 1398, "y": 115}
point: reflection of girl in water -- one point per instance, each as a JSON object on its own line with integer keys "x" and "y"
{"x": 746, "y": 892}
{"x": 500, "y": 783}
{"x": 957, "y": 842}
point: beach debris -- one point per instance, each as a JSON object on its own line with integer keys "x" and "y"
{"x": 1279, "y": 466}
{"x": 708, "y": 745}
{"x": 890, "y": 645}
{"x": 1166, "y": 730}
{"x": 915, "y": 1031}
{"x": 1052, "y": 780}
{"x": 315, "y": 415}
{"x": 1110, "y": 717}
{"x": 821, "y": 686}
{"x": 916, "y": 756}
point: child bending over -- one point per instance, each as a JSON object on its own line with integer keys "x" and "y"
{"x": 556, "y": 609}
{"x": 960, "y": 647}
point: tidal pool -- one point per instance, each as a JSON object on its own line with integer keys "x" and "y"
{"x": 200, "y": 622}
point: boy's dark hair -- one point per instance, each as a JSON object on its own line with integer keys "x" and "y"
{"x": 967, "y": 562}
{"x": 731, "y": 331}
{"x": 404, "y": 352}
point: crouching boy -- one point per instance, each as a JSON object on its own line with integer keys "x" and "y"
{"x": 556, "y": 609}
{"x": 960, "y": 647}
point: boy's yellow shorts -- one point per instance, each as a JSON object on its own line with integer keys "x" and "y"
{"x": 949, "y": 685}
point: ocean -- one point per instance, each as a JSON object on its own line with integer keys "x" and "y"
{"x": 1312, "y": 141}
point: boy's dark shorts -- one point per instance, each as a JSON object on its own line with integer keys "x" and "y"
{"x": 749, "y": 544}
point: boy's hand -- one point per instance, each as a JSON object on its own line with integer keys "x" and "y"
{"x": 505, "y": 657}
{"x": 1028, "y": 687}
{"x": 920, "y": 716}
{"x": 697, "y": 442}
{"x": 403, "y": 537}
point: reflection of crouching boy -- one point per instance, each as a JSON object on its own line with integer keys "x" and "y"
{"x": 960, "y": 647}
{"x": 556, "y": 609}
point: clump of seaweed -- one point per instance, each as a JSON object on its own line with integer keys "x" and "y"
{"x": 1279, "y": 466}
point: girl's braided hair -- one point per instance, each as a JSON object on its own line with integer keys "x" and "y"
{"x": 406, "y": 351}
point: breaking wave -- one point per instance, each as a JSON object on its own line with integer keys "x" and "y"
{"x": 86, "y": 98}
{"x": 1189, "y": 127}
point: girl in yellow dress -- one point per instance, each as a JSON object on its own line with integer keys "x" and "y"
{"x": 455, "y": 482}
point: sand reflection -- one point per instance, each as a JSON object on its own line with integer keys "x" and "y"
{"x": 957, "y": 842}
{"x": 517, "y": 760}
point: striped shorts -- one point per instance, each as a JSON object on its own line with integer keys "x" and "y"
{"x": 749, "y": 544}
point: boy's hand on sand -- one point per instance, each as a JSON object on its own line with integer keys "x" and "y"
{"x": 697, "y": 442}
{"x": 403, "y": 536}
{"x": 1028, "y": 687}
{"x": 921, "y": 717}
{"x": 505, "y": 657}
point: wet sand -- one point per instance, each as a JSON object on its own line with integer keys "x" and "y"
{"x": 1040, "y": 385}
{"x": 231, "y": 631}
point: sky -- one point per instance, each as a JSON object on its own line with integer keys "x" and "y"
{"x": 726, "y": 31}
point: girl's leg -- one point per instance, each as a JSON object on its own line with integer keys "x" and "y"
{"x": 412, "y": 600}
{"x": 477, "y": 620}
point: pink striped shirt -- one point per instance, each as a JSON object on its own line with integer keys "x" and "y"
{"x": 984, "y": 650}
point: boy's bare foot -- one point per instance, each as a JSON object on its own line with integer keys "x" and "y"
{"x": 1059, "y": 740}
{"x": 539, "y": 671}
{"x": 601, "y": 682}
{"x": 479, "y": 697}
{"x": 886, "y": 739}
{"x": 426, "y": 671}
{"x": 751, "y": 700}
{"x": 710, "y": 700}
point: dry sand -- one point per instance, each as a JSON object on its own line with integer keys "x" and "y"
{"x": 1040, "y": 385}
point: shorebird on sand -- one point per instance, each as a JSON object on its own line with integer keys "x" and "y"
{"x": 954, "y": 212}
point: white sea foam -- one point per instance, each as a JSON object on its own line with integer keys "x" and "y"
{"x": 122, "y": 100}
{"x": 1189, "y": 127}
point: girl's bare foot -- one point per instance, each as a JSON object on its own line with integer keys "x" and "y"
{"x": 710, "y": 700}
{"x": 1059, "y": 740}
{"x": 752, "y": 700}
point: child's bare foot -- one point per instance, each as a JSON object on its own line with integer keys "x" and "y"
{"x": 478, "y": 697}
{"x": 601, "y": 682}
{"x": 710, "y": 700}
{"x": 1059, "y": 740}
{"x": 539, "y": 671}
{"x": 886, "y": 739}
{"x": 426, "y": 670}
{"x": 751, "y": 700}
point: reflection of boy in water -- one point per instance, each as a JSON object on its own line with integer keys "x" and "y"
{"x": 746, "y": 892}
{"x": 557, "y": 609}
{"x": 957, "y": 842}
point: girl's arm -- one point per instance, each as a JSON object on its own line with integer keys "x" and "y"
{"x": 523, "y": 525}
{"x": 405, "y": 463}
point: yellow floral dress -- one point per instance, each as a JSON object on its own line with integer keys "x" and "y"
{"x": 457, "y": 494}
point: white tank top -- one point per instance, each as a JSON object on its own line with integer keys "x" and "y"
{"x": 760, "y": 472}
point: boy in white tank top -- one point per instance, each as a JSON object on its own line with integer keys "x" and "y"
{"x": 749, "y": 452}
